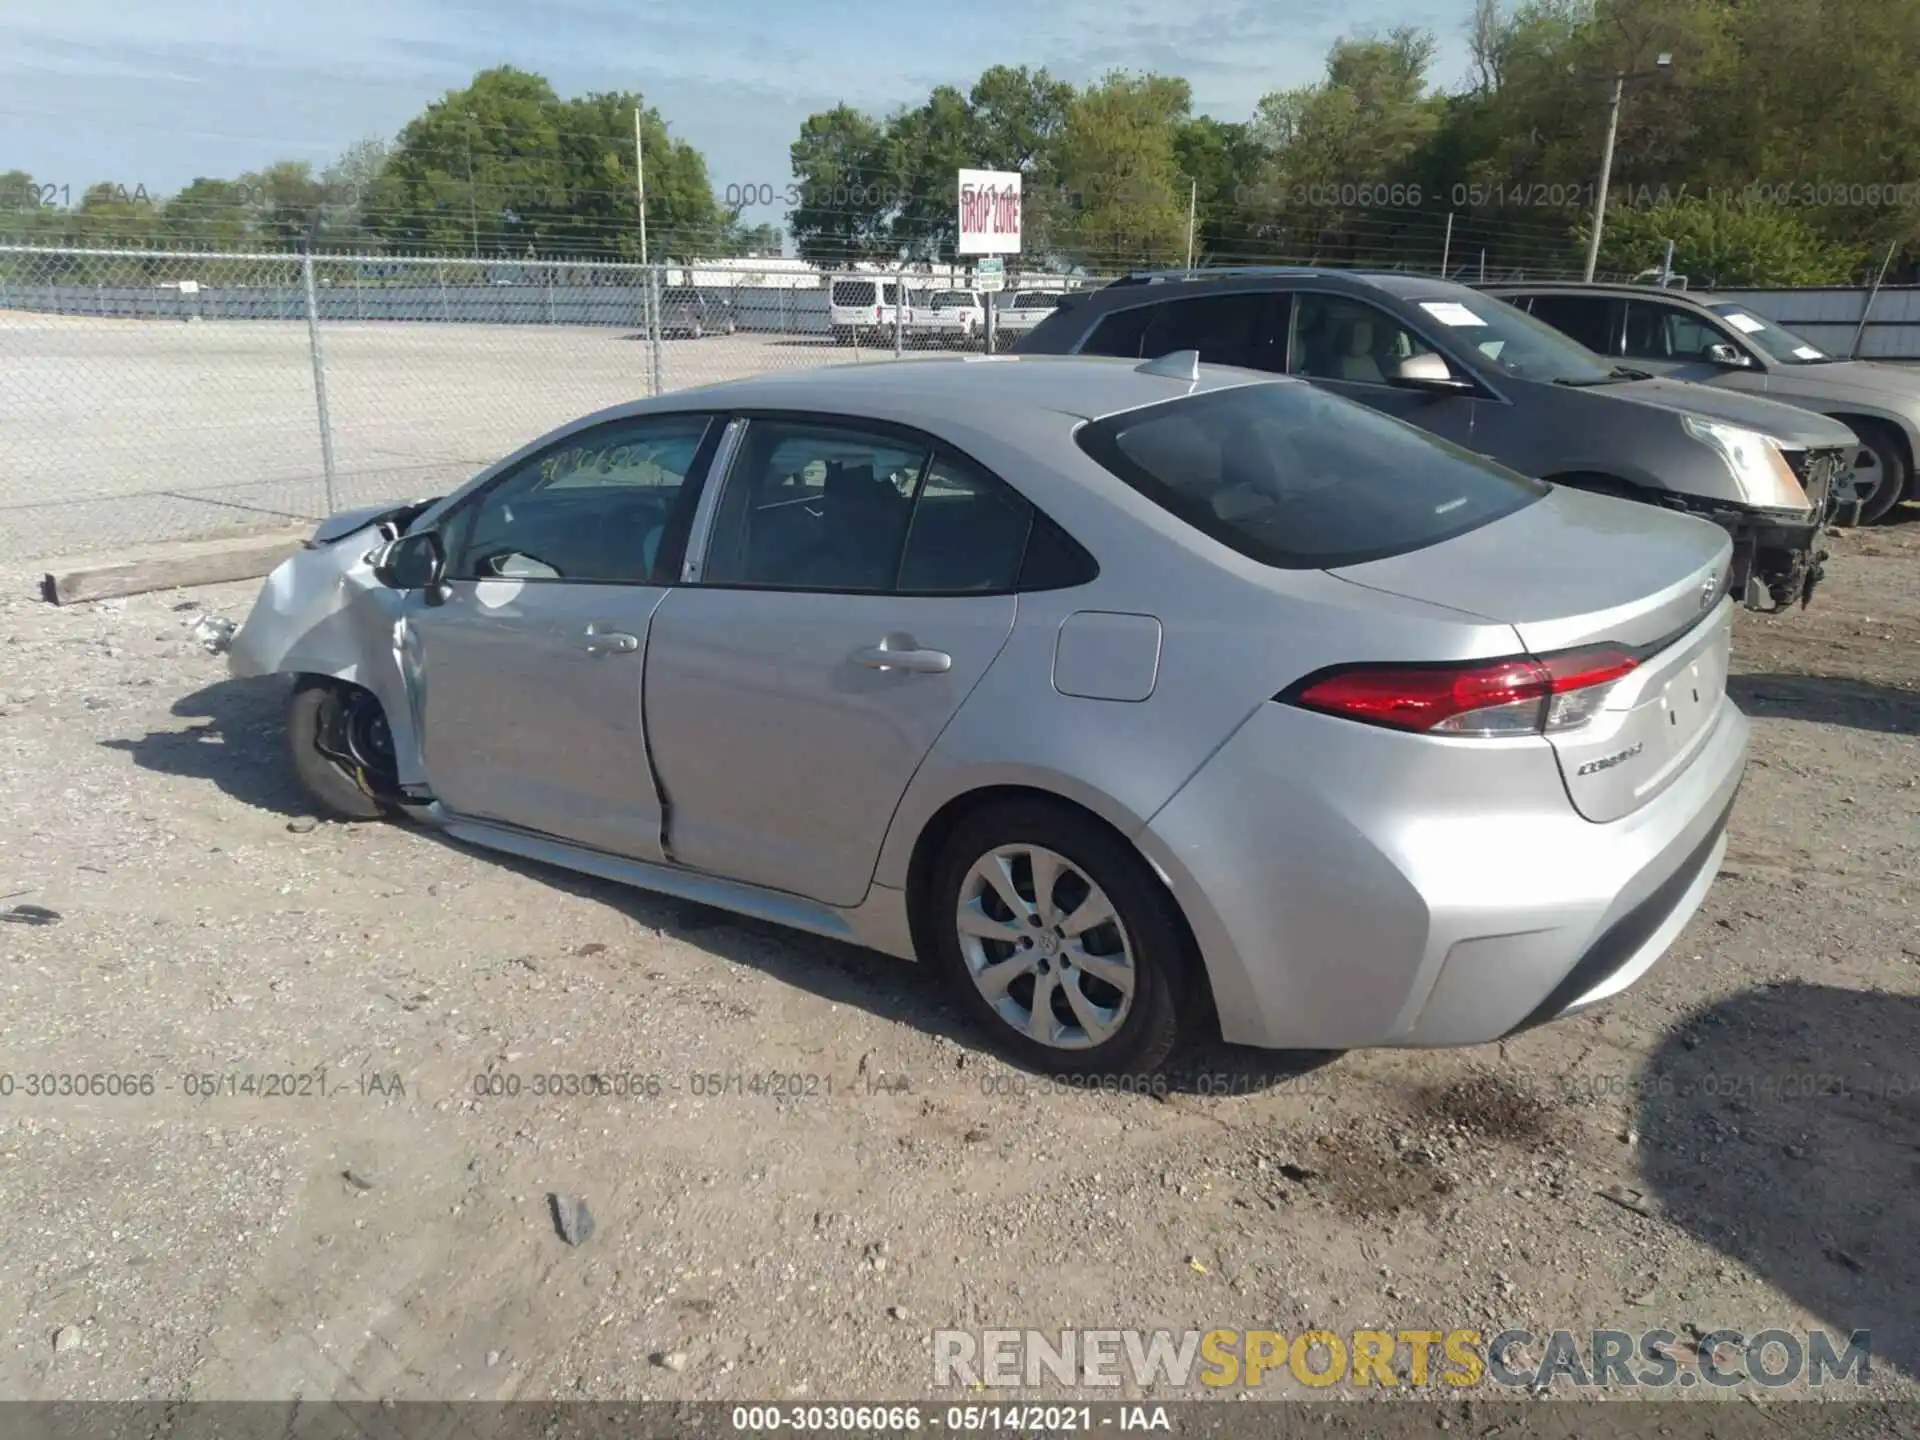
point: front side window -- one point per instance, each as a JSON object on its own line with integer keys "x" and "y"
{"x": 1667, "y": 332}
{"x": 595, "y": 507}
{"x": 1506, "y": 339}
{"x": 815, "y": 506}
{"x": 1297, "y": 478}
{"x": 1335, "y": 338}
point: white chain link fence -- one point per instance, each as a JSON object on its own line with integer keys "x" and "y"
{"x": 157, "y": 395}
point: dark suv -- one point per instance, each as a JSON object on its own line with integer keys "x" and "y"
{"x": 1478, "y": 372}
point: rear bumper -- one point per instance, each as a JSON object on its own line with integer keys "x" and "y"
{"x": 1350, "y": 887}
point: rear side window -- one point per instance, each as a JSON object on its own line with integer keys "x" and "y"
{"x": 1579, "y": 317}
{"x": 853, "y": 292}
{"x": 1299, "y": 479}
{"x": 1121, "y": 333}
{"x": 1226, "y": 329}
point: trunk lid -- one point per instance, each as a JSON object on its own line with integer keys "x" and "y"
{"x": 1575, "y": 570}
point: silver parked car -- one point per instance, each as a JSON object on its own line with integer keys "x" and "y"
{"x": 1725, "y": 343}
{"x": 1128, "y": 694}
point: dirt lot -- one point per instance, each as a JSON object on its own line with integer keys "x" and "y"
{"x": 1753, "y": 1101}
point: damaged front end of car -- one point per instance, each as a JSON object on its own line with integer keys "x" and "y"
{"x": 324, "y": 616}
{"x": 1782, "y": 500}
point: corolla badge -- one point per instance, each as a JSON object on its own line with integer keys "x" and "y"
{"x": 1607, "y": 762}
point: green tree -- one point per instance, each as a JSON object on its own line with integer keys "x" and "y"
{"x": 1223, "y": 163}
{"x": 1119, "y": 165}
{"x": 1727, "y": 241}
{"x": 840, "y": 172}
{"x": 1344, "y": 154}
{"x": 210, "y": 214}
{"x": 18, "y": 192}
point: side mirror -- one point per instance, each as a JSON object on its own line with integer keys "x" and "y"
{"x": 1730, "y": 356}
{"x": 1428, "y": 372}
{"x": 413, "y": 562}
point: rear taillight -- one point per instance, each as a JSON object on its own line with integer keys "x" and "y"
{"x": 1524, "y": 696}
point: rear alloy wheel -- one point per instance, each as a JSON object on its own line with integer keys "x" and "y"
{"x": 342, "y": 748}
{"x": 1882, "y": 460}
{"x": 1059, "y": 938}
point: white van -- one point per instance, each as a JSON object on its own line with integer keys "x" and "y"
{"x": 861, "y": 307}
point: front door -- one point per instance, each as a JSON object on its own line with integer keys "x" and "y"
{"x": 856, "y": 586}
{"x": 1353, "y": 349}
{"x": 1681, "y": 343}
{"x": 526, "y": 675}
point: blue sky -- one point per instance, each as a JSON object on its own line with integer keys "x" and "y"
{"x": 158, "y": 92}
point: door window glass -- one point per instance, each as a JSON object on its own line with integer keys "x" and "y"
{"x": 815, "y": 507}
{"x": 968, "y": 533}
{"x": 1665, "y": 332}
{"x": 1578, "y": 317}
{"x": 1340, "y": 339}
{"x": 593, "y": 508}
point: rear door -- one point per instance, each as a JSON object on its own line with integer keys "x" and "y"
{"x": 855, "y": 583}
{"x": 526, "y": 677}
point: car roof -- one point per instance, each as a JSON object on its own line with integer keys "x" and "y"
{"x": 1150, "y": 287}
{"x": 921, "y": 392}
{"x": 1598, "y": 287}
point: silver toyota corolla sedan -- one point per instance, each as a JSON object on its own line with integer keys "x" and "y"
{"x": 1131, "y": 695}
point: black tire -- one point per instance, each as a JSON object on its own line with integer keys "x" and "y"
{"x": 1163, "y": 1004}
{"x": 322, "y": 715}
{"x": 1891, "y": 461}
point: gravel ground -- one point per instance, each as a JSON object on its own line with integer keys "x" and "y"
{"x": 1735, "y": 1143}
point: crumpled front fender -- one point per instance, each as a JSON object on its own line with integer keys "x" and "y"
{"x": 321, "y": 612}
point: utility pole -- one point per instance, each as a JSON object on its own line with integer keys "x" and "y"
{"x": 1620, "y": 78}
{"x": 1193, "y": 195}
{"x": 640, "y": 182}
{"x": 647, "y": 272}
{"x": 473, "y": 209}
{"x": 1606, "y": 175}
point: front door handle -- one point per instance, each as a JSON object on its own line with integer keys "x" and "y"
{"x": 608, "y": 642}
{"x": 903, "y": 652}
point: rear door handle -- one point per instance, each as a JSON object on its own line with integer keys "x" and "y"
{"x": 608, "y": 642}
{"x": 903, "y": 652}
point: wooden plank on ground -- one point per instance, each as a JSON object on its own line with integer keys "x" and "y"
{"x": 171, "y": 567}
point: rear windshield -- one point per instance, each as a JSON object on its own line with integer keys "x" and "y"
{"x": 853, "y": 292}
{"x": 1299, "y": 479}
{"x": 943, "y": 299}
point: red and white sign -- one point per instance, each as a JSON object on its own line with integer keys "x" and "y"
{"x": 989, "y": 212}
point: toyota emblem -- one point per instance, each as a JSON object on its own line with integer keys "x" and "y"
{"x": 1709, "y": 592}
